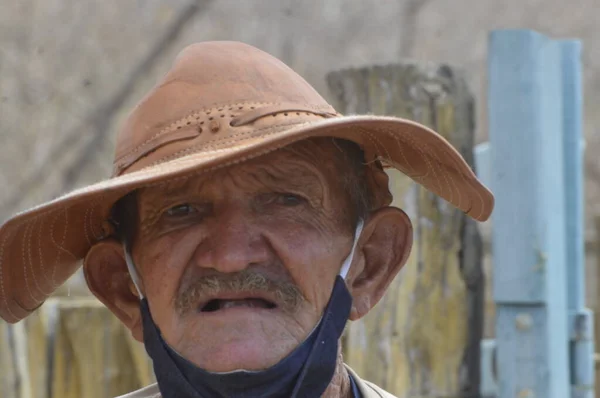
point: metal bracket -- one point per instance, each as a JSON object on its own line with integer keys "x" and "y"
{"x": 488, "y": 386}
{"x": 582, "y": 354}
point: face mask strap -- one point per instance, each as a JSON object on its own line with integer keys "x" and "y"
{"x": 132, "y": 271}
{"x": 348, "y": 261}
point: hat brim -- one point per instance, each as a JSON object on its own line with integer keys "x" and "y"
{"x": 42, "y": 247}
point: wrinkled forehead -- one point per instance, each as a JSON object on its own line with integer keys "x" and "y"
{"x": 310, "y": 166}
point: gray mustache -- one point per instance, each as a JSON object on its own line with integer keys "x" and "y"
{"x": 288, "y": 295}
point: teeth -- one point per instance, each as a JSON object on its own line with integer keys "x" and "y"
{"x": 237, "y": 303}
{"x": 250, "y": 303}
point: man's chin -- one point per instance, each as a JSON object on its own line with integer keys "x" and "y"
{"x": 248, "y": 354}
{"x": 243, "y": 344}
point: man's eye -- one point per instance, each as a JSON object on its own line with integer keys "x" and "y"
{"x": 181, "y": 210}
{"x": 288, "y": 199}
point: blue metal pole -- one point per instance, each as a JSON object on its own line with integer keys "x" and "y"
{"x": 488, "y": 387}
{"x": 529, "y": 247}
{"x": 580, "y": 319}
{"x": 573, "y": 152}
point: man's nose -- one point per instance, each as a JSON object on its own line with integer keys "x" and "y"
{"x": 233, "y": 244}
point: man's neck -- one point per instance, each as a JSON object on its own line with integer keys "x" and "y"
{"x": 340, "y": 386}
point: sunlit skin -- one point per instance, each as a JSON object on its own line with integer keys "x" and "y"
{"x": 284, "y": 215}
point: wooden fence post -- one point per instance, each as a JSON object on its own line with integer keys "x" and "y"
{"x": 9, "y": 383}
{"x": 71, "y": 348}
{"x": 423, "y": 338}
{"x": 597, "y": 305}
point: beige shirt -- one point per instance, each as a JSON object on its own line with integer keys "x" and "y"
{"x": 368, "y": 390}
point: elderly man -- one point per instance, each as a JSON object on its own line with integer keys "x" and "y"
{"x": 245, "y": 222}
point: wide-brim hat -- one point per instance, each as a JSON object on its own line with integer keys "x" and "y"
{"x": 221, "y": 103}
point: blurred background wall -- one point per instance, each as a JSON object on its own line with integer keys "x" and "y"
{"x": 70, "y": 70}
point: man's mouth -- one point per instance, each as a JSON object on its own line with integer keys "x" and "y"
{"x": 222, "y": 304}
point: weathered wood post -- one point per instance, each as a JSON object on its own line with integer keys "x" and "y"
{"x": 596, "y": 305}
{"x": 423, "y": 338}
{"x": 70, "y": 348}
{"x": 10, "y": 384}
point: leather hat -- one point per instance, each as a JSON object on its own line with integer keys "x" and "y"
{"x": 220, "y": 103}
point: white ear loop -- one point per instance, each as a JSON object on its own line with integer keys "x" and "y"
{"x": 132, "y": 271}
{"x": 348, "y": 261}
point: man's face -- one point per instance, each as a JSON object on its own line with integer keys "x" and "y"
{"x": 238, "y": 264}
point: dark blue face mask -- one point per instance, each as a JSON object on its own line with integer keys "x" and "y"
{"x": 305, "y": 372}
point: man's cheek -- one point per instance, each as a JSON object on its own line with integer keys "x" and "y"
{"x": 316, "y": 288}
{"x": 162, "y": 288}
{"x": 160, "y": 293}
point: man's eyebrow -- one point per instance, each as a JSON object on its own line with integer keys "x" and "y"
{"x": 282, "y": 174}
{"x": 295, "y": 178}
{"x": 174, "y": 188}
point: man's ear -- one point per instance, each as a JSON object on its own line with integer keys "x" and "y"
{"x": 107, "y": 277}
{"x": 384, "y": 245}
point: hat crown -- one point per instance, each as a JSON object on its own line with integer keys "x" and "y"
{"x": 209, "y": 84}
